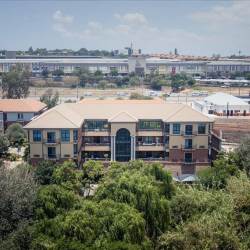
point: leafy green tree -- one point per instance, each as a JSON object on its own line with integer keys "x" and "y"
{"x": 93, "y": 170}
{"x": 49, "y": 98}
{"x": 103, "y": 84}
{"x": 113, "y": 72}
{"x": 45, "y": 170}
{"x": 15, "y": 83}
{"x": 157, "y": 82}
{"x": 15, "y": 133}
{"x": 134, "y": 81}
{"x": 45, "y": 73}
{"x": 178, "y": 80}
{"x": 125, "y": 79}
{"x": 98, "y": 73}
{"x": 131, "y": 74}
{"x": 30, "y": 51}
{"x": 4, "y": 143}
{"x": 144, "y": 187}
{"x": 119, "y": 81}
{"x": 247, "y": 76}
{"x": 26, "y": 154}
{"x": 136, "y": 96}
{"x": 238, "y": 73}
{"x": 93, "y": 226}
{"x": 191, "y": 81}
{"x": 225, "y": 166}
{"x": 17, "y": 196}
{"x": 83, "y": 75}
{"x": 58, "y": 73}
{"x": 68, "y": 176}
{"x": 213, "y": 74}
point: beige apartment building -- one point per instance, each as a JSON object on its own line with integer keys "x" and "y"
{"x": 119, "y": 130}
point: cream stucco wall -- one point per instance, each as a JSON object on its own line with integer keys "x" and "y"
{"x": 131, "y": 127}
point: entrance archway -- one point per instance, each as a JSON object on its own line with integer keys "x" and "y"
{"x": 123, "y": 145}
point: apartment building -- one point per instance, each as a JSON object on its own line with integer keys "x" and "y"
{"x": 19, "y": 111}
{"x": 121, "y": 131}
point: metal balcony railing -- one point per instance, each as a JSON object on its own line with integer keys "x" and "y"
{"x": 188, "y": 147}
{"x": 188, "y": 133}
{"x": 97, "y": 159}
{"x": 45, "y": 140}
{"x": 96, "y": 130}
{"x": 153, "y": 159}
{"x": 86, "y": 144}
{"x": 188, "y": 161}
{"x": 150, "y": 130}
{"x": 154, "y": 144}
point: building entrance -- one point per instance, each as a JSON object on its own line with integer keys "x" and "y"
{"x": 123, "y": 145}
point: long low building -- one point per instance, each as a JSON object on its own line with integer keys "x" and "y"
{"x": 174, "y": 134}
{"x": 125, "y": 66}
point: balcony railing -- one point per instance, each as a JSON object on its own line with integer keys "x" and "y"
{"x": 150, "y": 130}
{"x": 52, "y": 156}
{"x": 153, "y": 159}
{"x": 188, "y": 133}
{"x": 51, "y": 140}
{"x": 97, "y": 159}
{"x": 166, "y": 145}
{"x": 154, "y": 144}
{"x": 96, "y": 130}
{"x": 188, "y": 161}
{"x": 188, "y": 147}
{"x": 86, "y": 144}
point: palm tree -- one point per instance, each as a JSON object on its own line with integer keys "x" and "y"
{"x": 239, "y": 53}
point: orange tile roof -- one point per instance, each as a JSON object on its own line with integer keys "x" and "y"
{"x": 21, "y": 105}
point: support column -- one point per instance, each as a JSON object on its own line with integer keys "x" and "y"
{"x": 134, "y": 147}
{"x": 114, "y": 140}
{"x": 112, "y": 148}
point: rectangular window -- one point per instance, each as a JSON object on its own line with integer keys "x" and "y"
{"x": 97, "y": 139}
{"x": 51, "y": 137}
{"x": 51, "y": 153}
{"x": 65, "y": 134}
{"x": 149, "y": 125}
{"x": 36, "y": 135}
{"x": 148, "y": 139}
{"x": 75, "y": 135}
{"x": 189, "y": 129}
{"x": 75, "y": 149}
{"x": 19, "y": 116}
{"x": 93, "y": 125}
{"x": 86, "y": 139}
{"x": 202, "y": 128}
{"x": 105, "y": 139}
{"x": 167, "y": 128}
{"x": 139, "y": 138}
{"x": 176, "y": 128}
{"x": 188, "y": 143}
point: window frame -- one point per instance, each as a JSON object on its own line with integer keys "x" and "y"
{"x": 36, "y": 135}
{"x": 199, "y": 127}
{"x": 65, "y": 135}
{"x": 175, "y": 130}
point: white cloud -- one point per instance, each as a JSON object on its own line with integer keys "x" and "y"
{"x": 95, "y": 25}
{"x": 135, "y": 18}
{"x": 117, "y": 16}
{"x": 59, "y": 17}
{"x": 58, "y": 28}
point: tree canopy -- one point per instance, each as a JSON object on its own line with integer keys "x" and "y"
{"x": 50, "y": 98}
{"x": 15, "y": 133}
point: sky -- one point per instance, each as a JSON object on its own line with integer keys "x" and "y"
{"x": 193, "y": 27}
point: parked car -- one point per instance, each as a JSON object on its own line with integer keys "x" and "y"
{"x": 224, "y": 86}
{"x": 152, "y": 93}
{"x": 120, "y": 94}
{"x": 100, "y": 98}
{"x": 195, "y": 94}
{"x": 87, "y": 93}
{"x": 203, "y": 93}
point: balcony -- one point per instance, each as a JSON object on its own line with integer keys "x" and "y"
{"x": 52, "y": 156}
{"x": 51, "y": 141}
{"x": 95, "y": 132}
{"x": 153, "y": 159}
{"x": 149, "y": 132}
{"x": 188, "y": 147}
{"x": 96, "y": 146}
{"x": 97, "y": 159}
{"x": 150, "y": 146}
{"x": 188, "y": 161}
{"x": 188, "y": 133}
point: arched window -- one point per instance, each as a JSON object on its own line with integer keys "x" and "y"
{"x": 123, "y": 145}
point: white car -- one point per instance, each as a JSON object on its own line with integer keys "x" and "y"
{"x": 224, "y": 86}
{"x": 120, "y": 94}
{"x": 152, "y": 93}
{"x": 87, "y": 93}
{"x": 195, "y": 94}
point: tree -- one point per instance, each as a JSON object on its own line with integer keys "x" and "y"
{"x": 125, "y": 79}
{"x": 213, "y": 74}
{"x": 131, "y": 74}
{"x": 191, "y": 81}
{"x": 45, "y": 170}
{"x": 103, "y": 84}
{"x": 247, "y": 76}
{"x": 119, "y": 81}
{"x": 93, "y": 170}
{"x": 48, "y": 98}
{"x": 134, "y": 81}
{"x": 15, "y": 83}
{"x": 178, "y": 80}
{"x": 58, "y": 72}
{"x": 4, "y": 143}
{"x": 98, "y": 73}
{"x": 30, "y": 51}
{"x": 15, "y": 133}
{"x": 83, "y": 75}
{"x": 45, "y": 73}
{"x": 113, "y": 72}
{"x": 238, "y": 73}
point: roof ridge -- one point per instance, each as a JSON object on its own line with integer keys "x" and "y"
{"x": 173, "y": 114}
{"x": 28, "y": 104}
{"x": 122, "y": 111}
{"x": 18, "y": 100}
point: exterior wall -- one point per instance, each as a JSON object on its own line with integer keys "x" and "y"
{"x": 200, "y": 155}
{"x": 26, "y": 116}
{"x": 131, "y": 127}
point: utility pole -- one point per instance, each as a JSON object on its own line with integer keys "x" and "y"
{"x": 227, "y": 109}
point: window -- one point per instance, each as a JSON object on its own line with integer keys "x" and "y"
{"x": 167, "y": 128}
{"x": 86, "y": 139}
{"x": 51, "y": 137}
{"x": 75, "y": 149}
{"x": 188, "y": 143}
{"x": 19, "y": 116}
{"x": 167, "y": 140}
{"x": 176, "y": 128}
{"x": 97, "y": 139}
{"x": 202, "y": 128}
{"x": 75, "y": 134}
{"x": 36, "y": 135}
{"x": 150, "y": 125}
{"x": 224, "y": 111}
{"x": 189, "y": 129}
{"x": 65, "y": 135}
{"x": 51, "y": 152}
{"x": 139, "y": 138}
{"x": 92, "y": 125}
{"x": 105, "y": 139}
{"x": 148, "y": 139}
